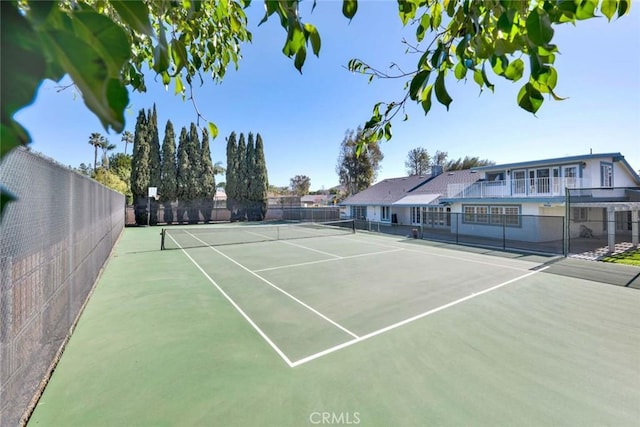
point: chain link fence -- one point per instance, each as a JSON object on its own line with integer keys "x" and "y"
{"x": 53, "y": 242}
{"x": 531, "y": 233}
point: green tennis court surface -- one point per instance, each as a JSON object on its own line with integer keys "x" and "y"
{"x": 343, "y": 330}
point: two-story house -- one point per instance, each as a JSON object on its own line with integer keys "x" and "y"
{"x": 608, "y": 202}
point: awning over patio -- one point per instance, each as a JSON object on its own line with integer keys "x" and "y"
{"x": 417, "y": 200}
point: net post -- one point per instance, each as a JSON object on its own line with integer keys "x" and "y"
{"x": 162, "y": 235}
{"x": 353, "y": 226}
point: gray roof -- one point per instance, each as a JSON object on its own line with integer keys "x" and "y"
{"x": 394, "y": 189}
{"x": 386, "y": 191}
{"x": 440, "y": 183}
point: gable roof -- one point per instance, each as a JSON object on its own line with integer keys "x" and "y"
{"x": 386, "y": 191}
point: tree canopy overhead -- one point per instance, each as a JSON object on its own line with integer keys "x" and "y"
{"x": 107, "y": 46}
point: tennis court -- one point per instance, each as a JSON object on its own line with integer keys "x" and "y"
{"x": 243, "y": 325}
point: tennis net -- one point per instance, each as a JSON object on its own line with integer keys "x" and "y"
{"x": 193, "y": 237}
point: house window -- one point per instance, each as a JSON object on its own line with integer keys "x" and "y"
{"x": 579, "y": 214}
{"x": 434, "y": 216}
{"x": 386, "y": 213}
{"x": 415, "y": 215}
{"x": 495, "y": 176}
{"x": 606, "y": 175}
{"x": 359, "y": 212}
{"x": 494, "y": 215}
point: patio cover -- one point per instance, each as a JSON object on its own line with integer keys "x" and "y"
{"x": 417, "y": 200}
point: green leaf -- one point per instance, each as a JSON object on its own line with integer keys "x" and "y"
{"x": 529, "y": 98}
{"x": 349, "y": 8}
{"x": 545, "y": 81}
{"x": 586, "y": 9}
{"x": 505, "y": 22}
{"x": 406, "y": 10}
{"x": 441, "y": 92}
{"x": 486, "y": 80}
{"x": 460, "y": 71}
{"x": 436, "y": 15}
{"x": 5, "y": 198}
{"x": 387, "y": 131}
{"x": 28, "y": 67}
{"x": 12, "y": 135}
{"x": 539, "y": 27}
{"x": 609, "y": 8}
{"x": 295, "y": 41}
{"x": 213, "y": 130}
{"x": 161, "y": 53}
{"x": 271, "y": 6}
{"x": 425, "y": 23}
{"x": 178, "y": 54}
{"x": 89, "y": 72}
{"x": 108, "y": 39}
{"x": 418, "y": 81}
{"x": 300, "y": 58}
{"x": 426, "y": 99}
{"x": 477, "y": 77}
{"x": 515, "y": 70}
{"x": 312, "y": 31}
{"x": 166, "y": 79}
{"x": 179, "y": 86}
{"x": 135, "y": 14}
{"x": 450, "y": 6}
{"x": 623, "y": 7}
{"x": 498, "y": 64}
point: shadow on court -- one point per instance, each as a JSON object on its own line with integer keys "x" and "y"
{"x": 613, "y": 274}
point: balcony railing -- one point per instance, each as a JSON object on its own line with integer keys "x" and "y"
{"x": 530, "y": 187}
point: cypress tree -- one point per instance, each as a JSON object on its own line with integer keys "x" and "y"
{"x": 194, "y": 152}
{"x": 140, "y": 169}
{"x": 168, "y": 184}
{"x": 154, "y": 160}
{"x": 261, "y": 179}
{"x": 241, "y": 179}
{"x": 182, "y": 176}
{"x": 231, "y": 188}
{"x": 208, "y": 183}
{"x": 252, "y": 212}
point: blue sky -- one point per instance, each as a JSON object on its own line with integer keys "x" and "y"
{"x": 303, "y": 118}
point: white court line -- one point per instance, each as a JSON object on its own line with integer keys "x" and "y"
{"x": 409, "y": 320}
{"x": 458, "y": 258}
{"x": 278, "y": 289}
{"x": 247, "y": 318}
{"x": 311, "y": 249}
{"x": 299, "y": 246}
{"x": 328, "y": 260}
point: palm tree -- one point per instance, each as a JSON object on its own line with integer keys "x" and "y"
{"x": 106, "y": 147}
{"x": 96, "y": 139}
{"x": 218, "y": 169}
{"x": 127, "y": 138}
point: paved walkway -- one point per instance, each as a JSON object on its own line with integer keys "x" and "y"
{"x": 601, "y": 252}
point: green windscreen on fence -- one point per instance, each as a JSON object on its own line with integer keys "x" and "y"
{"x": 183, "y": 238}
